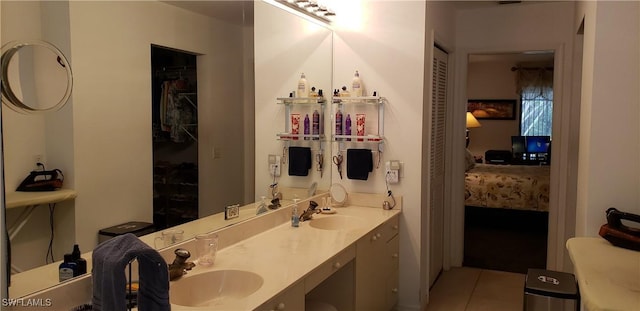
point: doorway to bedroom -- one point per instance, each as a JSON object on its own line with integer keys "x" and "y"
{"x": 507, "y": 177}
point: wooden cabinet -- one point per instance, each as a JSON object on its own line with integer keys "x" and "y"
{"x": 377, "y": 256}
{"x": 291, "y": 299}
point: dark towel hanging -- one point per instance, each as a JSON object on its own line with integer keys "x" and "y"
{"x": 359, "y": 163}
{"x": 299, "y": 161}
{"x": 108, "y": 278}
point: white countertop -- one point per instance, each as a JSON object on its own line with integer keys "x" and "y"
{"x": 608, "y": 276}
{"x": 284, "y": 255}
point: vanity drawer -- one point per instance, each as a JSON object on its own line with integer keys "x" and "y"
{"x": 291, "y": 299}
{"x": 328, "y": 268}
{"x": 390, "y": 228}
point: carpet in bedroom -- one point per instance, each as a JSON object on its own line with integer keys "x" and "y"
{"x": 505, "y": 239}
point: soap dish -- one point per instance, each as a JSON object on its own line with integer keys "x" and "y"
{"x": 328, "y": 210}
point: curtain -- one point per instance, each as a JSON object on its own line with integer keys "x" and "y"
{"x": 535, "y": 86}
{"x": 535, "y": 83}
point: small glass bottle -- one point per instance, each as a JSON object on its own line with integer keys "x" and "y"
{"x": 67, "y": 268}
{"x": 295, "y": 218}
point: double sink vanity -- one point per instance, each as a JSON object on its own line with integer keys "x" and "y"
{"x": 348, "y": 260}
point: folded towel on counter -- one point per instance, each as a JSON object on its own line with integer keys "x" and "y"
{"x": 359, "y": 163}
{"x": 109, "y": 281}
{"x": 299, "y": 161}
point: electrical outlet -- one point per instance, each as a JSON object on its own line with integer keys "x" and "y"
{"x": 392, "y": 172}
{"x": 274, "y": 165}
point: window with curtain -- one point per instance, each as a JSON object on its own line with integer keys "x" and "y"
{"x": 535, "y": 86}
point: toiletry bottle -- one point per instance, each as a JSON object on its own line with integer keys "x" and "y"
{"x": 313, "y": 92}
{"x": 356, "y": 85}
{"x": 320, "y": 93}
{"x": 347, "y": 126}
{"x": 67, "y": 268}
{"x": 338, "y": 123}
{"x": 344, "y": 92}
{"x": 295, "y": 219}
{"x": 81, "y": 263}
{"x": 315, "y": 126}
{"x": 306, "y": 127}
{"x": 303, "y": 87}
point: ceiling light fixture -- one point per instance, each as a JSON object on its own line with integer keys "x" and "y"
{"x": 310, "y": 8}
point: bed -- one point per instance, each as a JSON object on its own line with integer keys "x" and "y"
{"x": 522, "y": 187}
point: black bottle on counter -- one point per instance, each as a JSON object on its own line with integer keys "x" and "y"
{"x": 81, "y": 263}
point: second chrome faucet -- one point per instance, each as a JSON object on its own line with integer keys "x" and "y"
{"x": 180, "y": 265}
{"x": 308, "y": 213}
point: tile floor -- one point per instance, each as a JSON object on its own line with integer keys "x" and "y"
{"x": 473, "y": 289}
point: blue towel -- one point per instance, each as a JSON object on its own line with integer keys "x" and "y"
{"x": 109, "y": 282}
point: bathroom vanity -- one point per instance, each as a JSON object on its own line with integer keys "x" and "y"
{"x": 348, "y": 260}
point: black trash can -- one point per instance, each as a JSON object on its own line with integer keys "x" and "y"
{"x": 546, "y": 290}
{"x": 136, "y": 227}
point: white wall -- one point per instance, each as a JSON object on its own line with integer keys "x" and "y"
{"x": 492, "y": 80}
{"x": 111, "y": 59}
{"x": 608, "y": 173}
{"x": 50, "y": 136}
{"x": 385, "y": 42}
{"x": 514, "y": 28}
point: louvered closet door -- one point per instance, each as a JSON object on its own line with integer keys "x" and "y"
{"x": 436, "y": 162}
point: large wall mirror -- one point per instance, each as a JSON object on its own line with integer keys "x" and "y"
{"x": 102, "y": 139}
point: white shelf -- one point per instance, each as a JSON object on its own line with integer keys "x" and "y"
{"x": 341, "y": 103}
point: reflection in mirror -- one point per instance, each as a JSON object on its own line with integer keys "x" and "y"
{"x": 102, "y": 140}
{"x": 338, "y": 194}
{"x": 36, "y": 76}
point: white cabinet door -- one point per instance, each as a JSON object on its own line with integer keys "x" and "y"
{"x": 377, "y": 256}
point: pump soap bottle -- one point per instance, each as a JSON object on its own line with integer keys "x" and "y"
{"x": 303, "y": 87}
{"x": 356, "y": 85}
{"x": 295, "y": 219}
{"x": 81, "y": 263}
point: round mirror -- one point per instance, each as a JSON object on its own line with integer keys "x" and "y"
{"x": 36, "y": 77}
{"x": 338, "y": 194}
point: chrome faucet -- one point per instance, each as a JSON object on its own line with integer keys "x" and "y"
{"x": 276, "y": 196}
{"x": 308, "y": 213}
{"x": 180, "y": 265}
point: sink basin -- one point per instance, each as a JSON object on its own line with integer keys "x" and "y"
{"x": 336, "y": 222}
{"x": 213, "y": 288}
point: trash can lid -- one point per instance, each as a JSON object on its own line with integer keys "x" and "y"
{"x": 551, "y": 283}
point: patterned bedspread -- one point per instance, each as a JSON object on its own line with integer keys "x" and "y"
{"x": 508, "y": 186}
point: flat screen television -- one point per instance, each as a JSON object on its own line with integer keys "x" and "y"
{"x": 531, "y": 150}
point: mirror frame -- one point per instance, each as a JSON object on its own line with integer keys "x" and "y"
{"x": 9, "y": 50}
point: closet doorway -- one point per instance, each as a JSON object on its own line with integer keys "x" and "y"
{"x": 507, "y": 189}
{"x": 175, "y": 137}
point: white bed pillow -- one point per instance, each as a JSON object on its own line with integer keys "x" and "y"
{"x": 469, "y": 161}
